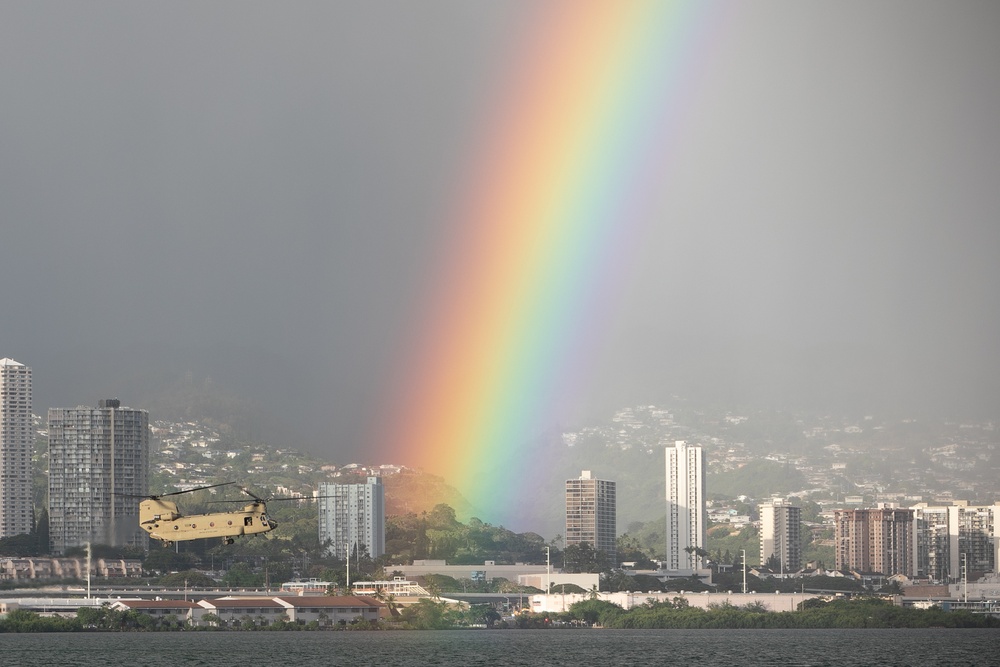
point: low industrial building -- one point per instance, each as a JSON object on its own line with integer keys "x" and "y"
{"x": 555, "y": 580}
{"x": 65, "y": 607}
{"x": 488, "y": 571}
{"x": 521, "y": 574}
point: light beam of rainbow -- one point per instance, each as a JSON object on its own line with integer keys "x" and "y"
{"x": 570, "y": 159}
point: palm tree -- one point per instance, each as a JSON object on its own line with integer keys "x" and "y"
{"x": 390, "y": 601}
{"x": 699, "y": 553}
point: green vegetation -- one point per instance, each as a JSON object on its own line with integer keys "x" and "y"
{"x": 31, "y": 544}
{"x": 106, "y": 619}
{"x": 733, "y": 581}
{"x": 726, "y": 543}
{"x": 439, "y": 535}
{"x": 864, "y": 613}
{"x": 584, "y": 558}
{"x": 427, "y": 615}
{"x": 21, "y": 620}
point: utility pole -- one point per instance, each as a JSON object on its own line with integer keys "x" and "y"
{"x": 88, "y": 569}
{"x": 784, "y": 539}
{"x": 744, "y": 571}
{"x": 548, "y": 564}
{"x": 348, "y": 568}
{"x": 965, "y": 579}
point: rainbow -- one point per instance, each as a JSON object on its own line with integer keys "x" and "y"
{"x": 570, "y": 162}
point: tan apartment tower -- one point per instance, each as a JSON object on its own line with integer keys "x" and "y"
{"x": 685, "y": 470}
{"x": 875, "y": 540}
{"x": 17, "y": 443}
{"x": 591, "y": 514}
{"x": 780, "y": 535}
{"x": 98, "y": 468}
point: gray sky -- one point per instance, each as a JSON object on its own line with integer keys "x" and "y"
{"x": 253, "y": 192}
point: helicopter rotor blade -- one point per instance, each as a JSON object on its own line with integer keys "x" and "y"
{"x": 272, "y": 499}
{"x": 252, "y": 494}
{"x": 156, "y": 496}
{"x": 200, "y": 488}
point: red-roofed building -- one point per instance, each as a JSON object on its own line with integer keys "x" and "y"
{"x": 334, "y": 609}
{"x": 327, "y": 610}
{"x": 236, "y": 611}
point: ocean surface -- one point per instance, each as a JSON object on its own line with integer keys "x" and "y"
{"x": 535, "y": 648}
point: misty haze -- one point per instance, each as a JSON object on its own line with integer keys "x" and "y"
{"x": 240, "y": 215}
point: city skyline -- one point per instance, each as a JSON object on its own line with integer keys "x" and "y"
{"x": 942, "y": 455}
{"x": 923, "y": 540}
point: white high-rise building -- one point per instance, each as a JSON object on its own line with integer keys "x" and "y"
{"x": 17, "y": 442}
{"x": 975, "y": 530}
{"x": 98, "y": 466}
{"x": 950, "y": 537}
{"x": 931, "y": 542}
{"x": 352, "y": 518}
{"x": 780, "y": 534}
{"x": 685, "y": 505}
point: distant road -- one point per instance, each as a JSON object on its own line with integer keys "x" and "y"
{"x": 152, "y": 592}
{"x": 145, "y": 592}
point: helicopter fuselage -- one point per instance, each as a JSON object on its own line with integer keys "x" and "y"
{"x": 162, "y": 521}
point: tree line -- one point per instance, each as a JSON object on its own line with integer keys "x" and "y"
{"x": 817, "y": 613}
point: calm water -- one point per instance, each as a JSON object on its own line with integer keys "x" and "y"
{"x": 692, "y": 648}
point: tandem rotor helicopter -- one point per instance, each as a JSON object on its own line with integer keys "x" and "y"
{"x": 163, "y": 521}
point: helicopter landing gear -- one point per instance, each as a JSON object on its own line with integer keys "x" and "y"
{"x": 227, "y": 540}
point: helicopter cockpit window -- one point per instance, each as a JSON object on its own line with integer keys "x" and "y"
{"x": 263, "y": 519}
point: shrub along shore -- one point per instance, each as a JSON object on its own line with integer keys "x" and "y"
{"x": 855, "y": 613}
{"x": 434, "y": 615}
